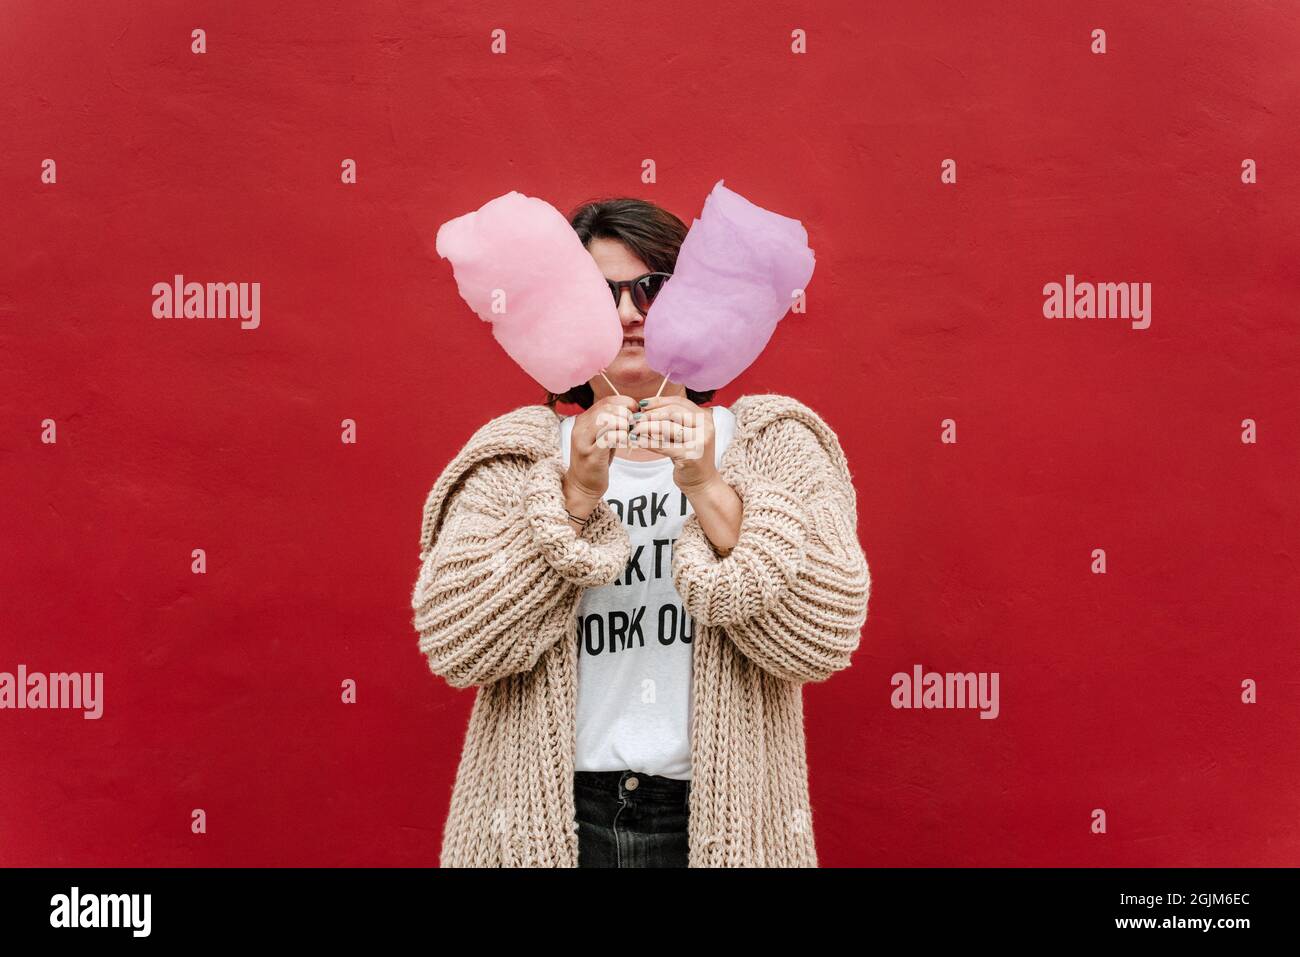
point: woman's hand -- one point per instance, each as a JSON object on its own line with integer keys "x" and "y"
{"x": 680, "y": 429}
{"x": 597, "y": 432}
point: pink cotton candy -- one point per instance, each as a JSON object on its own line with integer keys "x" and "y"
{"x": 738, "y": 272}
{"x": 521, "y": 267}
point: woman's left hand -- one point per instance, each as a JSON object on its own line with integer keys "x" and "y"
{"x": 681, "y": 430}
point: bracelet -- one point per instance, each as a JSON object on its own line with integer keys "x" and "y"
{"x": 584, "y": 522}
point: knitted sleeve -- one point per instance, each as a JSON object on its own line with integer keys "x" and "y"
{"x": 792, "y": 594}
{"x": 503, "y": 561}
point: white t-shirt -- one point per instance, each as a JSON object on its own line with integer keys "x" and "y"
{"x": 634, "y": 637}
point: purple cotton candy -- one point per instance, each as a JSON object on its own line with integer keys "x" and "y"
{"x": 521, "y": 267}
{"x": 738, "y": 272}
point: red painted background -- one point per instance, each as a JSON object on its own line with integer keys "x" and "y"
{"x": 1118, "y": 691}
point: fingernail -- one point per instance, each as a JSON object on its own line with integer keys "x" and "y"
{"x": 637, "y": 415}
{"x": 643, "y": 403}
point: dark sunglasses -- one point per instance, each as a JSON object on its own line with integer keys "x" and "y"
{"x": 644, "y": 289}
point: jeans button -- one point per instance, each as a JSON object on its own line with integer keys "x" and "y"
{"x": 631, "y": 784}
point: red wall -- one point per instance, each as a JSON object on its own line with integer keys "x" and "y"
{"x": 1119, "y": 691}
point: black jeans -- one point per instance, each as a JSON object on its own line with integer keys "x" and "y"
{"x": 630, "y": 819}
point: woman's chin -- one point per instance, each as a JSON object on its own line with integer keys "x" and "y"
{"x": 630, "y": 368}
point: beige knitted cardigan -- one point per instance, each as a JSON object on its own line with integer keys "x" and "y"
{"x": 501, "y": 575}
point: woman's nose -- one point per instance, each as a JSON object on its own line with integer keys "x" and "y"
{"x": 627, "y": 311}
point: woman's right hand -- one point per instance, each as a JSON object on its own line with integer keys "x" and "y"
{"x": 597, "y": 432}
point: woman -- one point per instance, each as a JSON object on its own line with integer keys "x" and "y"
{"x": 639, "y": 592}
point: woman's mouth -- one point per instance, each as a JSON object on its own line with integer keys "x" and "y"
{"x": 633, "y": 341}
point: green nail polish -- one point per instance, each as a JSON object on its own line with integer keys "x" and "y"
{"x": 636, "y": 416}
{"x": 643, "y": 403}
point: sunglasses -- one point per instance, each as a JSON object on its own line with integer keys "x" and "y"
{"x": 644, "y": 289}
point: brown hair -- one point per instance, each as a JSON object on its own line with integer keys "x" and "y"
{"x": 652, "y": 233}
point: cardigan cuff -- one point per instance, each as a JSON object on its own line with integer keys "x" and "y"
{"x": 762, "y": 566}
{"x": 598, "y": 555}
